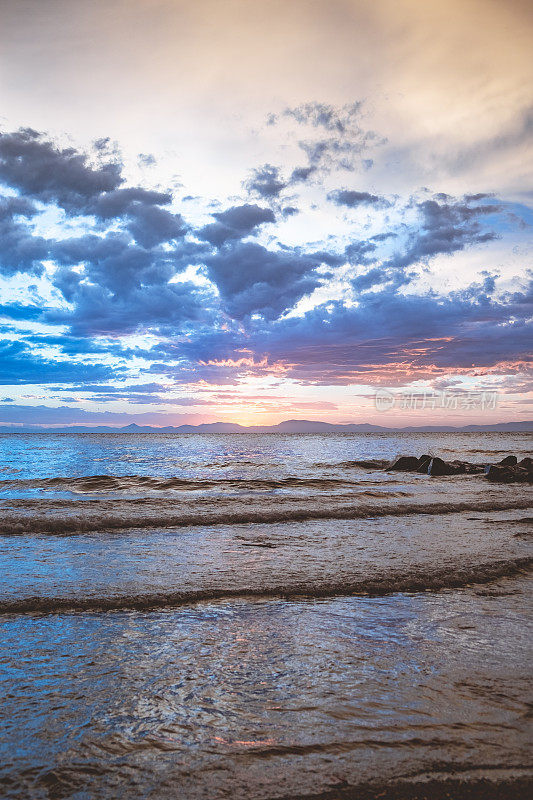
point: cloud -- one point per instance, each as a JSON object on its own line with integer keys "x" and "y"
{"x": 136, "y": 394}
{"x": 20, "y": 250}
{"x": 445, "y": 226}
{"x": 388, "y": 338}
{"x": 68, "y": 415}
{"x": 323, "y": 115}
{"x": 391, "y": 338}
{"x": 99, "y": 311}
{"x": 289, "y": 211}
{"x": 353, "y": 199}
{"x": 43, "y": 171}
{"x": 254, "y": 280}
{"x": 20, "y": 311}
{"x": 236, "y": 223}
{"x": 516, "y": 135}
{"x": 266, "y": 182}
{"x": 301, "y": 174}
{"x": 147, "y": 223}
{"x": 146, "y": 160}
{"x": 215, "y": 301}
{"x": 336, "y": 139}
{"x": 19, "y": 365}
{"x": 151, "y": 225}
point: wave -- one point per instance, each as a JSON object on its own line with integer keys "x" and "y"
{"x": 371, "y": 463}
{"x": 110, "y": 483}
{"x": 410, "y": 583}
{"x": 66, "y": 517}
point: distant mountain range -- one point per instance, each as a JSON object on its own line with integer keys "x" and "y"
{"x": 289, "y": 426}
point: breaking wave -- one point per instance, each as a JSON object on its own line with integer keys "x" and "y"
{"x": 376, "y": 586}
{"x": 118, "y": 483}
{"x": 64, "y": 517}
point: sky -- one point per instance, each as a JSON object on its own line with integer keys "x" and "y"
{"x": 255, "y": 211}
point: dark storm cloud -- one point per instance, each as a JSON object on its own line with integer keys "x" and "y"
{"x": 236, "y": 223}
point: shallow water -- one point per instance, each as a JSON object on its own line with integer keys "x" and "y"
{"x": 279, "y": 619}
{"x": 265, "y": 698}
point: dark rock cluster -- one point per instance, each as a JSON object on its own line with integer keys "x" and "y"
{"x": 508, "y": 470}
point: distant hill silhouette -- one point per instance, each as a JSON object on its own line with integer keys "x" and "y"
{"x": 288, "y": 426}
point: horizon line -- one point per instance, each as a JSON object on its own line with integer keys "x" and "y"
{"x": 14, "y": 427}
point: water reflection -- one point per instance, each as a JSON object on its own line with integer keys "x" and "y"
{"x": 291, "y": 557}
{"x": 233, "y": 695}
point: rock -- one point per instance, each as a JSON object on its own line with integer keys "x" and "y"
{"x": 523, "y": 474}
{"x": 466, "y": 467}
{"x": 406, "y": 464}
{"x": 511, "y": 474}
{"x": 509, "y": 461}
{"x": 439, "y": 467}
{"x": 508, "y": 470}
{"x": 377, "y": 463}
{"x": 476, "y": 469}
{"x": 495, "y": 472}
{"x": 423, "y": 464}
{"x": 460, "y": 467}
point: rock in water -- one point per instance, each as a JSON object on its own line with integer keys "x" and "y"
{"x": 406, "y": 464}
{"x": 512, "y": 474}
{"x": 440, "y": 467}
{"x": 508, "y": 461}
{"x": 423, "y": 464}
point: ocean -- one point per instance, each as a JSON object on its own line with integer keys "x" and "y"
{"x": 260, "y": 616}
